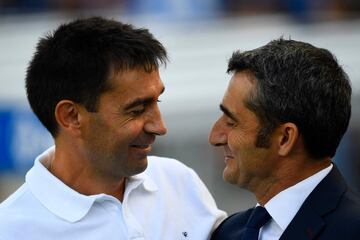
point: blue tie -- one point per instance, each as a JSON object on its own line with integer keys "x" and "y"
{"x": 258, "y": 218}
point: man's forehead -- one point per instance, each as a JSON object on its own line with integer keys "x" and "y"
{"x": 240, "y": 89}
{"x": 133, "y": 79}
{"x": 133, "y": 87}
{"x": 245, "y": 74}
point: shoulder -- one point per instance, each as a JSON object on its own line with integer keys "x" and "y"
{"x": 334, "y": 199}
{"x": 168, "y": 167}
{"x": 166, "y": 162}
{"x": 349, "y": 206}
{"x": 182, "y": 185}
{"x": 232, "y": 226}
{"x": 169, "y": 172}
{"x": 21, "y": 205}
{"x": 238, "y": 219}
{"x": 15, "y": 199}
{"x": 352, "y": 197}
{"x": 344, "y": 220}
{"x": 17, "y": 207}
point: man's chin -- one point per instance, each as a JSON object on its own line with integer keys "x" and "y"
{"x": 229, "y": 176}
{"x": 143, "y": 167}
{"x": 139, "y": 165}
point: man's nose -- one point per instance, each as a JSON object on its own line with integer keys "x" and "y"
{"x": 155, "y": 123}
{"x": 218, "y": 136}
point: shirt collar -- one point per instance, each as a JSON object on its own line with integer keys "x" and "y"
{"x": 284, "y": 206}
{"x": 65, "y": 202}
{"x": 144, "y": 180}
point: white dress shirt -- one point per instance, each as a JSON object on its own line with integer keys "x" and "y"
{"x": 167, "y": 201}
{"x": 284, "y": 206}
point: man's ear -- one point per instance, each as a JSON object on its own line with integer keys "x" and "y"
{"x": 68, "y": 116}
{"x": 288, "y": 136}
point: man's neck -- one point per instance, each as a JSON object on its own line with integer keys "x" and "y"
{"x": 79, "y": 175}
{"x": 287, "y": 176}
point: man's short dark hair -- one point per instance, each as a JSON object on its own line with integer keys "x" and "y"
{"x": 75, "y": 61}
{"x": 298, "y": 83}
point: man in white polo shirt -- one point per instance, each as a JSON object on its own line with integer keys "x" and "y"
{"x": 94, "y": 84}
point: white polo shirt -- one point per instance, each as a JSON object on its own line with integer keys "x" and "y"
{"x": 168, "y": 201}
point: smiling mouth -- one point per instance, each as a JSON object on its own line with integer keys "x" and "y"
{"x": 227, "y": 158}
{"x": 227, "y": 155}
{"x": 141, "y": 146}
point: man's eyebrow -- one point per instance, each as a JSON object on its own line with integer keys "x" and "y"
{"x": 141, "y": 101}
{"x": 227, "y": 112}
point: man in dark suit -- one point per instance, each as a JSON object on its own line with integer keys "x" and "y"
{"x": 285, "y": 111}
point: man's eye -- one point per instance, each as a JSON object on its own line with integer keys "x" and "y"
{"x": 136, "y": 112}
{"x": 230, "y": 124}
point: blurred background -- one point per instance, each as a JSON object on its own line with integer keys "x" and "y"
{"x": 200, "y": 36}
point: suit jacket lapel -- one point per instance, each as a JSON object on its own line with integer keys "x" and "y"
{"x": 306, "y": 225}
{"x": 308, "y": 222}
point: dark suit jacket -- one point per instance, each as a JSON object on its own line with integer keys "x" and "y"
{"x": 330, "y": 212}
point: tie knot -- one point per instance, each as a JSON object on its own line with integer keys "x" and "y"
{"x": 258, "y": 218}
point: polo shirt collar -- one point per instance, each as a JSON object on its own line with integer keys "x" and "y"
{"x": 144, "y": 180}
{"x": 65, "y": 202}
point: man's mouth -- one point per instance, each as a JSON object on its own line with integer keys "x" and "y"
{"x": 228, "y": 155}
{"x": 141, "y": 146}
